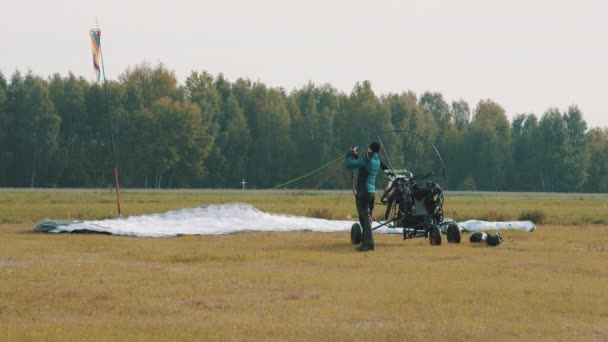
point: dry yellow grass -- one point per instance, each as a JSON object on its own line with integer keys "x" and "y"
{"x": 546, "y": 285}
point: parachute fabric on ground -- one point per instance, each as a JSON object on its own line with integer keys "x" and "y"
{"x": 205, "y": 220}
{"x": 230, "y": 218}
{"x": 478, "y": 226}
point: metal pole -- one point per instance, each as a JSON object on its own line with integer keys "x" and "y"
{"x": 105, "y": 86}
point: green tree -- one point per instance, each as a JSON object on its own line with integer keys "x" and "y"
{"x": 168, "y": 134}
{"x": 488, "y": 146}
{"x": 461, "y": 113}
{"x": 526, "y": 153}
{"x": 234, "y": 141}
{"x": 597, "y": 141}
{"x": 200, "y": 89}
{"x": 450, "y": 142}
{"x": 404, "y": 109}
{"x": 56, "y": 132}
{"x": 69, "y": 98}
{"x": 35, "y": 129}
{"x": 271, "y": 141}
{"x": 452, "y": 151}
{"x": 407, "y": 150}
{"x": 565, "y": 152}
{"x": 98, "y": 141}
{"x": 555, "y": 147}
{"x": 328, "y": 105}
{"x": 6, "y": 158}
{"x": 436, "y": 105}
{"x": 145, "y": 84}
{"x": 577, "y": 162}
{"x": 312, "y": 120}
{"x": 362, "y": 117}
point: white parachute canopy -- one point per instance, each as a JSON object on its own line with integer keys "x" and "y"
{"x": 223, "y": 219}
{"x": 479, "y": 226}
{"x": 205, "y": 220}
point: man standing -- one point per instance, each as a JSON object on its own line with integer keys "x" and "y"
{"x": 368, "y": 167}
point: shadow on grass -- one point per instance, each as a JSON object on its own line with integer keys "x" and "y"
{"x": 28, "y": 232}
{"x": 345, "y": 247}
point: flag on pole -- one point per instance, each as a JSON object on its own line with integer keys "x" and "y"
{"x": 96, "y": 44}
{"x": 95, "y": 35}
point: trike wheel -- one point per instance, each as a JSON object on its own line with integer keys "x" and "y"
{"x": 356, "y": 233}
{"x": 453, "y": 233}
{"x": 435, "y": 236}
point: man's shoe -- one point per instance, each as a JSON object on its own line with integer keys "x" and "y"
{"x": 365, "y": 248}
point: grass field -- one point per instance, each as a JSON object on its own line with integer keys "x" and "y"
{"x": 546, "y": 285}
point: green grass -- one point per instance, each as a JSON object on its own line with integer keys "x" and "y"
{"x": 546, "y": 285}
{"x": 30, "y": 206}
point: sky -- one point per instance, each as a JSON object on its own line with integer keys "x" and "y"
{"x": 526, "y": 55}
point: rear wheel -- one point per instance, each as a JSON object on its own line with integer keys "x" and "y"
{"x": 435, "y": 236}
{"x": 356, "y": 233}
{"x": 453, "y": 233}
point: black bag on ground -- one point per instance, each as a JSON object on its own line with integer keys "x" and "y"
{"x": 477, "y": 237}
{"x": 494, "y": 240}
{"x": 490, "y": 239}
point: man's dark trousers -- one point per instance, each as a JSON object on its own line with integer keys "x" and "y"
{"x": 365, "y": 206}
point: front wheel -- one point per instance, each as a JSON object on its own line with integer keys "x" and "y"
{"x": 356, "y": 233}
{"x": 453, "y": 233}
{"x": 435, "y": 236}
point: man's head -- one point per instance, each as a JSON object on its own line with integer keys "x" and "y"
{"x": 374, "y": 147}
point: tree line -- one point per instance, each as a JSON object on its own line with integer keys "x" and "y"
{"x": 210, "y": 133}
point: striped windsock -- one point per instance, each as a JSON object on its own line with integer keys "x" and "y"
{"x": 96, "y": 44}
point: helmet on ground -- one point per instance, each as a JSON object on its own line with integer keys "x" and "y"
{"x": 494, "y": 240}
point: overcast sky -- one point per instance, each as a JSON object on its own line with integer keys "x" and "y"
{"x": 527, "y": 55}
